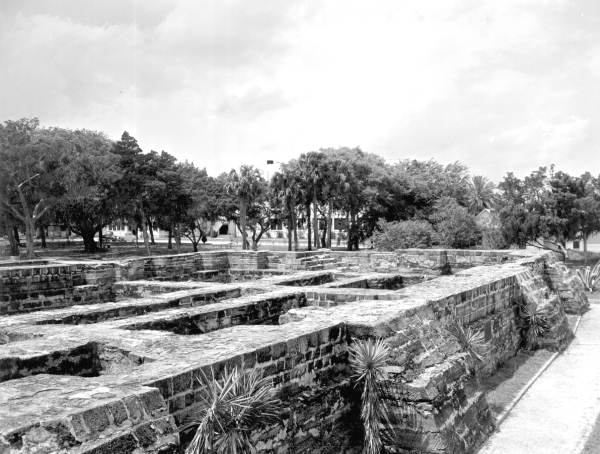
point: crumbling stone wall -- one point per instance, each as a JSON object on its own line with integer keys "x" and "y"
{"x": 433, "y": 381}
{"x": 433, "y": 377}
{"x": 36, "y": 287}
{"x": 566, "y": 284}
{"x": 369, "y": 261}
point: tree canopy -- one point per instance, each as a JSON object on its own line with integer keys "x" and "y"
{"x": 84, "y": 181}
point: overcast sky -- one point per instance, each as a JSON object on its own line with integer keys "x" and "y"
{"x": 499, "y": 85}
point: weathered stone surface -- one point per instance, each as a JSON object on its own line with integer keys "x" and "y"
{"x": 567, "y": 285}
{"x": 122, "y": 376}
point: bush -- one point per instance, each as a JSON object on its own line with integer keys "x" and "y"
{"x": 493, "y": 238}
{"x": 455, "y": 226}
{"x": 390, "y": 236}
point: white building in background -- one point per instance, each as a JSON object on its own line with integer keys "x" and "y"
{"x": 120, "y": 230}
{"x": 593, "y": 244}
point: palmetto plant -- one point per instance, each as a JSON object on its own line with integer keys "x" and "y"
{"x": 590, "y": 277}
{"x": 537, "y": 322}
{"x": 231, "y": 408}
{"x": 368, "y": 359}
{"x": 472, "y": 342}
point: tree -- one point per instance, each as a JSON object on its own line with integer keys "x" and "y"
{"x": 480, "y": 194}
{"x": 8, "y": 225}
{"x": 30, "y": 156}
{"x": 246, "y": 186}
{"x": 544, "y": 210}
{"x": 209, "y": 202}
{"x": 403, "y": 234}
{"x": 519, "y": 224}
{"x": 310, "y": 179}
{"x": 455, "y": 226}
{"x": 285, "y": 194}
{"x": 360, "y": 190}
{"x": 562, "y": 214}
{"x": 588, "y": 207}
{"x": 86, "y": 205}
{"x": 259, "y": 219}
{"x": 137, "y": 184}
{"x": 422, "y": 183}
{"x": 174, "y": 199}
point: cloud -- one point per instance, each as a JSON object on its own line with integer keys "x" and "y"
{"x": 501, "y": 86}
{"x": 251, "y": 103}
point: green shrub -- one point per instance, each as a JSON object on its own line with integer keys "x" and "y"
{"x": 230, "y": 409}
{"x": 493, "y": 238}
{"x": 455, "y": 226}
{"x": 390, "y": 236}
{"x": 589, "y": 276}
{"x": 368, "y": 360}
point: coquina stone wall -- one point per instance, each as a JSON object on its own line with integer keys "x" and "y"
{"x": 137, "y": 379}
{"x": 37, "y": 287}
{"x": 367, "y": 261}
{"x": 433, "y": 379}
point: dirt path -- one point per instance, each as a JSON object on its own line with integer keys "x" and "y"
{"x": 558, "y": 413}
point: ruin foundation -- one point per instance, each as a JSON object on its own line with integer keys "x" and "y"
{"x": 105, "y": 356}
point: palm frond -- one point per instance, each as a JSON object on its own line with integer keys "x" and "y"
{"x": 590, "y": 277}
{"x": 368, "y": 359}
{"x": 473, "y": 342}
{"x": 537, "y": 321}
{"x": 230, "y": 408}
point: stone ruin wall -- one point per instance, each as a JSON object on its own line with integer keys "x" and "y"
{"x": 433, "y": 385}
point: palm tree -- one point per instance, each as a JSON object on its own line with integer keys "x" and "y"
{"x": 368, "y": 359}
{"x": 481, "y": 194}
{"x": 310, "y": 172}
{"x": 285, "y": 187}
{"x": 246, "y": 186}
{"x": 231, "y": 409}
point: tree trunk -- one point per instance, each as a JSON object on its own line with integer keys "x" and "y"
{"x": 27, "y": 218}
{"x": 145, "y": 235}
{"x": 329, "y": 223}
{"x": 308, "y": 226}
{"x": 243, "y": 210}
{"x": 136, "y": 238}
{"x": 353, "y": 233}
{"x": 348, "y": 244}
{"x": 289, "y": 230}
{"x": 170, "y": 242}
{"x": 151, "y": 228}
{"x": 585, "y": 251}
{"x": 178, "y": 238}
{"x": 43, "y": 236}
{"x": 14, "y": 242}
{"x": 89, "y": 245}
{"x": 315, "y": 219}
{"x": 100, "y": 238}
{"x": 16, "y": 234}
{"x": 295, "y": 229}
{"x": 29, "y": 237}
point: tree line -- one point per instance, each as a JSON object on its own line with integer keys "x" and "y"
{"x": 82, "y": 180}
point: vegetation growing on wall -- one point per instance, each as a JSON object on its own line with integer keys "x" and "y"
{"x": 231, "y": 408}
{"x": 368, "y": 359}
